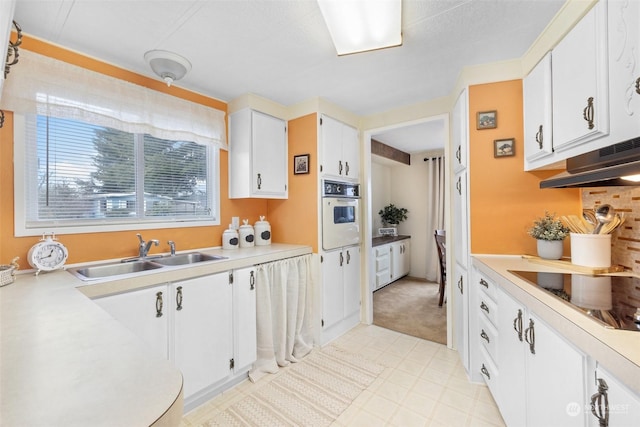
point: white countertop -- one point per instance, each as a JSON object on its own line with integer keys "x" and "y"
{"x": 65, "y": 362}
{"x": 617, "y": 350}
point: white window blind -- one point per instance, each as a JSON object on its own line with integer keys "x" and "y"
{"x": 78, "y": 174}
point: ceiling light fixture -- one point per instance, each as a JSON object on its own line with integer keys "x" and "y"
{"x": 363, "y": 25}
{"x": 168, "y": 65}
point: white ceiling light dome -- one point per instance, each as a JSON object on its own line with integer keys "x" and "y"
{"x": 168, "y": 65}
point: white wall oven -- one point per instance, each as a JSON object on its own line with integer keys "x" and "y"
{"x": 340, "y": 214}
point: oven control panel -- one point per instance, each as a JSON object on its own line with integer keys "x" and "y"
{"x": 340, "y": 189}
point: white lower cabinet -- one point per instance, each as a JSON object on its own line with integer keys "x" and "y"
{"x": 144, "y": 313}
{"x": 400, "y": 259}
{"x": 382, "y": 263}
{"x": 205, "y": 326}
{"x": 203, "y": 340}
{"x": 340, "y": 290}
{"x": 611, "y": 403}
{"x": 461, "y": 314}
{"x": 542, "y": 376}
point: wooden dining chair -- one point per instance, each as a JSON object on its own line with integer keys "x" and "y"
{"x": 440, "y": 236}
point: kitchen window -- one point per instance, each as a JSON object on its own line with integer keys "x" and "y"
{"x": 79, "y": 177}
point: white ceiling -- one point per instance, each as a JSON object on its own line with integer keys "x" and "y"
{"x": 281, "y": 49}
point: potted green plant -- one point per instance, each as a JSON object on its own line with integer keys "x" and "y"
{"x": 392, "y": 215}
{"x": 549, "y": 232}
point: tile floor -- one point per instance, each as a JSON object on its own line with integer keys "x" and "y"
{"x": 424, "y": 385}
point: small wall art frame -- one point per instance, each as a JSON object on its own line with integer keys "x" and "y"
{"x": 504, "y": 147}
{"x": 301, "y": 164}
{"x": 487, "y": 120}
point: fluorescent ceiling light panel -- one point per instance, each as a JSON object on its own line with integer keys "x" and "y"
{"x": 362, "y": 25}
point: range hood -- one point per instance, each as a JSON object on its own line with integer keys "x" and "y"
{"x": 600, "y": 168}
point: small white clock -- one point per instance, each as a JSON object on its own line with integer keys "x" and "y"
{"x": 47, "y": 255}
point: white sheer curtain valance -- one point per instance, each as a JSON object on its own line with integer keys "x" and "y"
{"x": 47, "y": 86}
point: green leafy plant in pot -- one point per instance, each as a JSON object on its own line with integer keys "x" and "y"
{"x": 392, "y": 215}
{"x": 549, "y": 232}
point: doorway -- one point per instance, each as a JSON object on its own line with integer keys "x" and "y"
{"x": 393, "y": 182}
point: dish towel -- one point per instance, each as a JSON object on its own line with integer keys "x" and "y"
{"x": 284, "y": 317}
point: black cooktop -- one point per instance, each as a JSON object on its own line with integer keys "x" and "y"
{"x": 611, "y": 300}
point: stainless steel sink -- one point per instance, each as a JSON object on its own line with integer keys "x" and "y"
{"x": 188, "y": 258}
{"x": 108, "y": 270}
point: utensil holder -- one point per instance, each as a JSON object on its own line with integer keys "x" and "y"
{"x": 591, "y": 250}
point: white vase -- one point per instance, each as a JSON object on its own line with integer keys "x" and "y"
{"x": 550, "y": 249}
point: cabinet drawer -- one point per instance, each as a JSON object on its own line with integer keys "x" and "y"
{"x": 488, "y": 337}
{"x": 382, "y": 278}
{"x": 489, "y": 371}
{"x": 488, "y": 308}
{"x": 382, "y": 263}
{"x": 487, "y": 286}
{"x": 382, "y": 250}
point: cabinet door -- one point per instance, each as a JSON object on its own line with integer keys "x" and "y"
{"x": 351, "y": 280}
{"x": 269, "y": 156}
{"x": 459, "y": 132}
{"x": 622, "y": 406}
{"x": 350, "y": 152}
{"x": 580, "y": 82}
{"x": 511, "y": 360}
{"x": 406, "y": 257}
{"x": 202, "y": 330}
{"x": 332, "y": 288}
{"x": 460, "y": 215}
{"x": 461, "y": 313}
{"x": 244, "y": 317}
{"x": 331, "y": 140}
{"x": 537, "y": 113}
{"x": 624, "y": 69}
{"x": 395, "y": 255}
{"x": 145, "y": 313}
{"x": 555, "y": 361}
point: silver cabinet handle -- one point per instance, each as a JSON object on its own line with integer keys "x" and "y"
{"x": 587, "y": 113}
{"x": 484, "y": 306}
{"x": 539, "y": 137}
{"x": 252, "y": 281}
{"x": 179, "y": 298}
{"x": 159, "y": 304}
{"x": 259, "y": 182}
{"x": 600, "y": 400}
{"x": 530, "y": 336}
{"x": 461, "y": 285}
{"x": 485, "y": 371}
{"x": 517, "y": 324}
{"x": 459, "y": 152}
{"x": 484, "y": 283}
{"x": 638, "y": 85}
{"x": 340, "y": 167}
{"x": 341, "y": 259}
{"x": 348, "y": 257}
{"x": 346, "y": 168}
{"x": 484, "y": 335}
{"x": 459, "y": 186}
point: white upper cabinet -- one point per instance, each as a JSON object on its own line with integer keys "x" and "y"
{"x": 459, "y": 132}
{"x": 580, "y": 81}
{"x": 6, "y": 24}
{"x": 257, "y": 155}
{"x": 538, "y": 135}
{"x": 624, "y": 69}
{"x": 340, "y": 149}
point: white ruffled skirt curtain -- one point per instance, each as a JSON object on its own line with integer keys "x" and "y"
{"x": 284, "y": 303}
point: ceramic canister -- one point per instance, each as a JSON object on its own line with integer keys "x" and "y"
{"x": 247, "y": 239}
{"x": 230, "y": 238}
{"x": 262, "y": 232}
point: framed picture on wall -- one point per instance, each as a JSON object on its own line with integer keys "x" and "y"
{"x": 504, "y": 147}
{"x": 301, "y": 164}
{"x": 487, "y": 120}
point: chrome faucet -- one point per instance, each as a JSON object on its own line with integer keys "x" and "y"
{"x": 145, "y": 246}
{"x": 172, "y": 246}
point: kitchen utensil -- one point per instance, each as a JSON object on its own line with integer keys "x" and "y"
{"x": 604, "y": 214}
{"x": 589, "y": 216}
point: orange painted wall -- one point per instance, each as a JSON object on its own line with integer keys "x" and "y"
{"x": 295, "y": 220}
{"x": 98, "y": 246}
{"x": 505, "y": 200}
